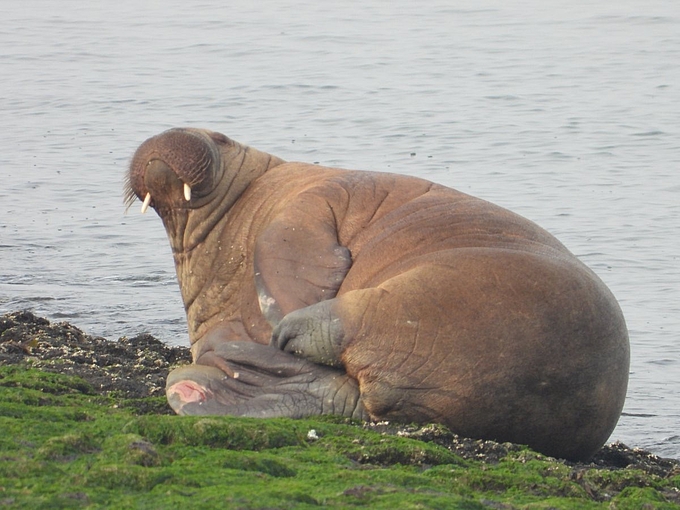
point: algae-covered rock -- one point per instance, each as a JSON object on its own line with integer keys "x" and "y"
{"x": 123, "y": 477}
{"x": 382, "y": 449}
{"x": 67, "y": 446}
{"x": 131, "y": 449}
{"x": 262, "y": 463}
{"x": 128, "y": 368}
{"x": 82, "y": 438}
{"x": 46, "y": 382}
{"x": 218, "y": 432}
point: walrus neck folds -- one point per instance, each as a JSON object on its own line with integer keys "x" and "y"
{"x": 240, "y": 166}
{"x": 196, "y": 234}
{"x": 192, "y": 178}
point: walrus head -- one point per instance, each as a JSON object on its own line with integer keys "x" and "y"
{"x": 192, "y": 178}
{"x": 170, "y": 169}
{"x": 189, "y": 176}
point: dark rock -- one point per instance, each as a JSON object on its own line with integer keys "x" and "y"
{"x": 130, "y": 367}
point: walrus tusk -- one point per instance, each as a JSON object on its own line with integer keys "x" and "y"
{"x": 187, "y": 192}
{"x": 147, "y": 201}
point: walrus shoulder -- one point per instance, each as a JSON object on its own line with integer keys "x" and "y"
{"x": 298, "y": 260}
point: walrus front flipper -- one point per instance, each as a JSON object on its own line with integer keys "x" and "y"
{"x": 314, "y": 333}
{"x": 298, "y": 260}
{"x": 264, "y": 382}
{"x": 320, "y": 332}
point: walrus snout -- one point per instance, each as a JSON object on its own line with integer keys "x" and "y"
{"x": 166, "y": 188}
{"x": 172, "y": 168}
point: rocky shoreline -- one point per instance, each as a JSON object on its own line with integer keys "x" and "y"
{"x": 135, "y": 368}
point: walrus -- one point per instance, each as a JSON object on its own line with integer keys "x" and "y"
{"x": 311, "y": 290}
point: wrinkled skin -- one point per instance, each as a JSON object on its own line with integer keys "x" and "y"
{"x": 312, "y": 290}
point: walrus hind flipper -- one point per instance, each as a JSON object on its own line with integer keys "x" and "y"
{"x": 262, "y": 382}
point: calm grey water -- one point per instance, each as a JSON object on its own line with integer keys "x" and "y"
{"x": 564, "y": 111}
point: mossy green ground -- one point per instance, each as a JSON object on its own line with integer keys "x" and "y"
{"x": 64, "y": 446}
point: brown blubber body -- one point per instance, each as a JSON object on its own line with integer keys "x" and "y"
{"x": 314, "y": 290}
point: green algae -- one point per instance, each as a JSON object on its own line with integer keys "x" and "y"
{"x": 220, "y": 432}
{"x": 45, "y": 382}
{"x": 64, "y": 446}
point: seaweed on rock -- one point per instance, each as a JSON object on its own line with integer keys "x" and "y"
{"x": 83, "y": 425}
